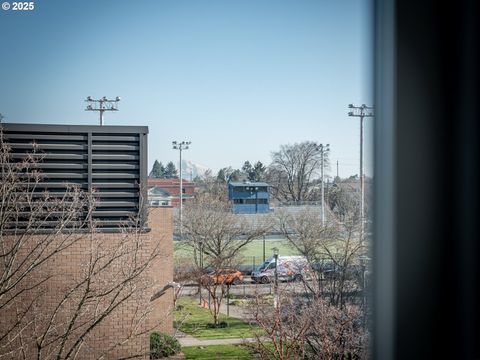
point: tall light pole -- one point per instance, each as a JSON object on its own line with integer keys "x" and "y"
{"x": 275, "y": 284}
{"x": 324, "y": 149}
{"x": 180, "y": 146}
{"x": 102, "y": 105}
{"x": 361, "y": 112}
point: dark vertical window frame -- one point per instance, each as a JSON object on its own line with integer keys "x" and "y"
{"x": 467, "y": 206}
{"x": 429, "y": 250}
{"x": 384, "y": 174}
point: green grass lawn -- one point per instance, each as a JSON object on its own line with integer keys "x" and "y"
{"x": 213, "y": 352}
{"x": 197, "y": 318}
{"x": 251, "y": 253}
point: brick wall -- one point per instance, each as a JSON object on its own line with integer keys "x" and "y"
{"x": 125, "y": 331}
{"x": 172, "y": 186}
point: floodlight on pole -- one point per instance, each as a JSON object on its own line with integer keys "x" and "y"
{"x": 361, "y": 112}
{"x": 324, "y": 149}
{"x": 180, "y": 146}
{"x": 102, "y": 105}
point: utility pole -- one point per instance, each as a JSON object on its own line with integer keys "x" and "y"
{"x": 275, "y": 284}
{"x": 361, "y": 112}
{"x": 338, "y": 177}
{"x": 102, "y": 105}
{"x": 323, "y": 150}
{"x": 180, "y": 146}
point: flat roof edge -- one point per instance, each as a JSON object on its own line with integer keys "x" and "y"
{"x": 74, "y": 128}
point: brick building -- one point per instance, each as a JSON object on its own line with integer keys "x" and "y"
{"x": 115, "y": 337}
{"x": 111, "y": 282}
{"x": 172, "y": 187}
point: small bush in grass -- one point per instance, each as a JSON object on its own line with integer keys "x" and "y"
{"x": 163, "y": 345}
{"x": 220, "y": 325}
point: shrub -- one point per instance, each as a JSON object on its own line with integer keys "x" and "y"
{"x": 163, "y": 345}
{"x": 220, "y": 325}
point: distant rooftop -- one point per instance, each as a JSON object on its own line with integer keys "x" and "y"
{"x": 238, "y": 183}
{"x": 168, "y": 181}
{"x": 158, "y": 191}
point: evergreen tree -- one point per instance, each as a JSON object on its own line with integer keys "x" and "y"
{"x": 171, "y": 171}
{"x": 228, "y": 174}
{"x": 222, "y": 176}
{"x": 158, "y": 170}
{"x": 236, "y": 175}
{"x": 258, "y": 171}
{"x": 255, "y": 172}
{"x": 247, "y": 168}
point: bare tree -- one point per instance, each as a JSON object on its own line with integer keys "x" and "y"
{"x": 306, "y": 328}
{"x": 184, "y": 273}
{"x": 307, "y": 235}
{"x": 212, "y": 186}
{"x": 333, "y": 295}
{"x": 112, "y": 275}
{"x": 49, "y": 308}
{"x": 281, "y": 331}
{"x": 292, "y": 170}
{"x": 336, "y": 333}
{"x": 217, "y": 237}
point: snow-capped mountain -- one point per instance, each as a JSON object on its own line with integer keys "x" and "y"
{"x": 191, "y": 170}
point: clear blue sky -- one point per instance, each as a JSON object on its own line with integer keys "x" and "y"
{"x": 237, "y": 78}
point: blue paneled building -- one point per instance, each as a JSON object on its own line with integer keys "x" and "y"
{"x": 249, "y": 197}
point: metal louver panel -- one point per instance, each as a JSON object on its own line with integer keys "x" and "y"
{"x": 108, "y": 161}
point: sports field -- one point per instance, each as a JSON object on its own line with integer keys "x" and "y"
{"x": 251, "y": 253}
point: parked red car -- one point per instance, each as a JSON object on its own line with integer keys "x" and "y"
{"x": 224, "y": 276}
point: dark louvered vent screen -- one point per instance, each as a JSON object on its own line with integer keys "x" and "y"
{"x": 110, "y": 160}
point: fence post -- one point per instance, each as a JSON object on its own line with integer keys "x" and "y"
{"x": 228, "y": 300}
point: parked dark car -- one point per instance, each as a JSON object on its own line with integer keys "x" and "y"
{"x": 330, "y": 271}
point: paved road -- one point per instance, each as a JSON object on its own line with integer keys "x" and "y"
{"x": 247, "y": 288}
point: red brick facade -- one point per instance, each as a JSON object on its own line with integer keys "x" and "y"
{"x": 172, "y": 186}
{"x": 137, "y": 315}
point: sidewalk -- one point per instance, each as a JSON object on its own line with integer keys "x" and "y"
{"x": 188, "y": 340}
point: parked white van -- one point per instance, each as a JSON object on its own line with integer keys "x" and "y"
{"x": 289, "y": 268}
